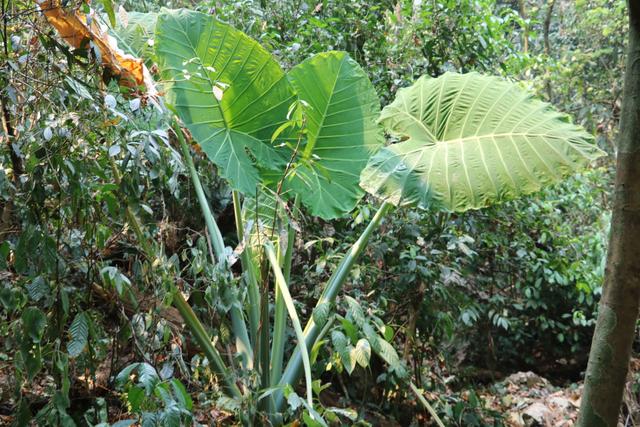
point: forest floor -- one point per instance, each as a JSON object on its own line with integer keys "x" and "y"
{"x": 524, "y": 399}
{"x": 529, "y": 400}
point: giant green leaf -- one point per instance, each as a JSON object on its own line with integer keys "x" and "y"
{"x": 227, "y": 89}
{"x": 470, "y": 140}
{"x": 134, "y": 32}
{"x": 341, "y": 132}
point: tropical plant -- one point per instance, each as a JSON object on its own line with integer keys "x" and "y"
{"x": 466, "y": 141}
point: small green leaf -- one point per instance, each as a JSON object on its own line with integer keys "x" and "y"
{"x": 79, "y": 331}
{"x": 348, "y": 359}
{"x": 181, "y": 394}
{"x": 362, "y": 353}
{"x": 135, "y": 397}
{"x": 321, "y": 313}
{"x": 33, "y": 323}
{"x": 350, "y": 329}
{"x": 294, "y": 401}
{"x": 339, "y": 340}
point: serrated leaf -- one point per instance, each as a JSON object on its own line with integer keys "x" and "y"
{"x": 38, "y": 289}
{"x": 472, "y": 140}
{"x": 148, "y": 377}
{"x": 79, "y": 332}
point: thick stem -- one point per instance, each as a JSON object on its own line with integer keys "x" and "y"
{"x": 280, "y": 314}
{"x": 239, "y": 326}
{"x": 212, "y": 227}
{"x": 618, "y": 311}
{"x": 293, "y": 370}
{"x": 284, "y": 290}
{"x": 202, "y": 338}
{"x": 250, "y": 275}
{"x": 547, "y": 26}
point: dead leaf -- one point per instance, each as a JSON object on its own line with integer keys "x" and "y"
{"x": 77, "y": 29}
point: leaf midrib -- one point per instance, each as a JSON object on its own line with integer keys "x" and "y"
{"x": 311, "y": 144}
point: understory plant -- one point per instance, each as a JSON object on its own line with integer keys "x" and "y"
{"x": 309, "y": 140}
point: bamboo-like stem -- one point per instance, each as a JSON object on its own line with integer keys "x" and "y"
{"x": 250, "y": 276}
{"x": 280, "y": 314}
{"x": 238, "y": 324}
{"x": 202, "y": 338}
{"x": 311, "y": 332}
{"x": 286, "y": 296}
{"x": 426, "y": 404}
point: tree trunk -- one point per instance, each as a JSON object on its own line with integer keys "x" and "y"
{"x": 615, "y": 330}
{"x": 525, "y": 32}
{"x": 547, "y": 45}
{"x": 547, "y": 26}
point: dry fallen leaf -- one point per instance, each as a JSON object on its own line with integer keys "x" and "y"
{"x": 77, "y": 28}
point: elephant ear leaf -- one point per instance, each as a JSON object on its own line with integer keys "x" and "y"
{"x": 469, "y": 140}
{"x": 134, "y": 32}
{"x": 341, "y": 131}
{"x": 230, "y": 92}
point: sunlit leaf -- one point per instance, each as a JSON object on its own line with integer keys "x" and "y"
{"x": 472, "y": 140}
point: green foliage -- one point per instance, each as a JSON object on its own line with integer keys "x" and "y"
{"x": 231, "y": 107}
{"x": 156, "y": 400}
{"x": 236, "y": 111}
{"x": 503, "y": 288}
{"x": 470, "y": 141}
{"x": 341, "y": 132}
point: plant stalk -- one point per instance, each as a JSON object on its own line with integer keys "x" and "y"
{"x": 426, "y": 404}
{"x": 286, "y": 296}
{"x": 239, "y": 326}
{"x": 293, "y": 370}
{"x": 250, "y": 276}
{"x": 202, "y": 338}
{"x": 280, "y": 315}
